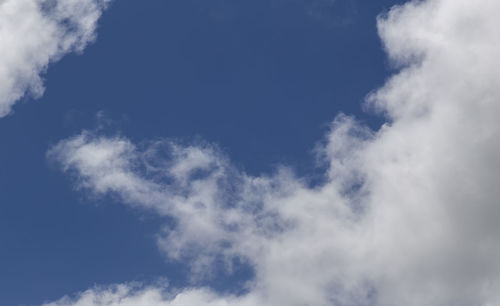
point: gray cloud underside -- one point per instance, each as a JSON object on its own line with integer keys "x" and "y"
{"x": 421, "y": 230}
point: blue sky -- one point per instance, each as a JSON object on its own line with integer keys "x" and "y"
{"x": 250, "y": 87}
{"x": 263, "y": 81}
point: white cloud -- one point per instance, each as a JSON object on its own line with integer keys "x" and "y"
{"x": 408, "y": 214}
{"x": 133, "y": 295}
{"x": 35, "y": 33}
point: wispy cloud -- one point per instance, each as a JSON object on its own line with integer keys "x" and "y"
{"x": 408, "y": 214}
{"x": 35, "y": 33}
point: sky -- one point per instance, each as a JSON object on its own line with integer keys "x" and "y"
{"x": 266, "y": 152}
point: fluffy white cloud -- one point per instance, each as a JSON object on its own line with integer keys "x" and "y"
{"x": 34, "y": 33}
{"x": 408, "y": 214}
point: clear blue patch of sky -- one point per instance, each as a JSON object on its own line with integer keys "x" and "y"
{"x": 261, "y": 78}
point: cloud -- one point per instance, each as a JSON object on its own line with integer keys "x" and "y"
{"x": 407, "y": 215}
{"x": 35, "y": 33}
{"x": 134, "y": 294}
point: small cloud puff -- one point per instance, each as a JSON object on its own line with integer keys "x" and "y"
{"x": 35, "y": 33}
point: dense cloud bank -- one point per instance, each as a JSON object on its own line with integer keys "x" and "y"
{"x": 35, "y": 33}
{"x": 408, "y": 214}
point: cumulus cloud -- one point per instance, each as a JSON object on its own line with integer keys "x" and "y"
{"x": 35, "y": 33}
{"x": 407, "y": 215}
